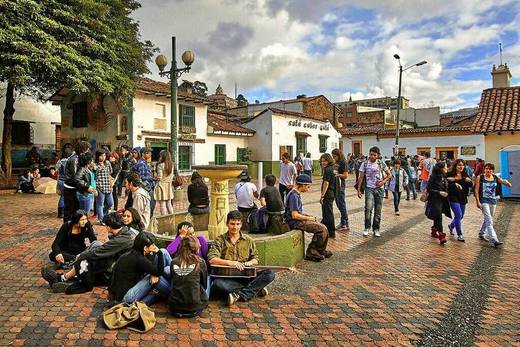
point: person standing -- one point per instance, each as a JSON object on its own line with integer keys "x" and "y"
{"x": 143, "y": 169}
{"x": 328, "y": 193}
{"x": 426, "y": 166}
{"x": 163, "y": 192}
{"x": 297, "y": 219}
{"x": 412, "y": 180}
{"x": 375, "y": 173}
{"x": 127, "y": 164}
{"x": 103, "y": 172}
{"x": 488, "y": 188}
{"x": 115, "y": 163}
{"x": 60, "y": 168}
{"x": 398, "y": 182}
{"x": 287, "y": 175}
{"x": 459, "y": 185}
{"x": 341, "y": 203}
{"x": 307, "y": 165}
{"x": 479, "y": 167}
{"x": 71, "y": 203}
{"x": 437, "y": 203}
{"x": 85, "y": 182}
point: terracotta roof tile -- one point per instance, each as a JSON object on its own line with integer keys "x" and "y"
{"x": 158, "y": 87}
{"x": 498, "y": 110}
{"x": 220, "y": 122}
{"x": 377, "y": 129}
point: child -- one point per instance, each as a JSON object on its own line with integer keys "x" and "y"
{"x": 189, "y": 274}
{"x": 398, "y": 182}
{"x": 487, "y": 192}
{"x": 25, "y": 183}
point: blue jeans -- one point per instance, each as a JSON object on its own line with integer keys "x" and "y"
{"x": 61, "y": 202}
{"x": 411, "y": 188}
{"x": 424, "y": 184}
{"x": 373, "y": 202}
{"x": 141, "y": 291}
{"x": 246, "y": 288}
{"x": 397, "y": 200}
{"x": 342, "y": 206}
{"x": 103, "y": 200}
{"x": 86, "y": 202}
{"x": 458, "y": 211}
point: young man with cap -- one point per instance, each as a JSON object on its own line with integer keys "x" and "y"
{"x": 375, "y": 172}
{"x": 246, "y": 193}
{"x": 297, "y": 219}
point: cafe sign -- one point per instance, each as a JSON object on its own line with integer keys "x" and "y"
{"x": 308, "y": 125}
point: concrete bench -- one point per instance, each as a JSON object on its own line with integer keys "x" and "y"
{"x": 167, "y": 224}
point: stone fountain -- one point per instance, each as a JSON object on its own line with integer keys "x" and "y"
{"x": 219, "y": 197}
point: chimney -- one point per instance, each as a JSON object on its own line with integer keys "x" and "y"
{"x": 501, "y": 76}
{"x": 301, "y": 96}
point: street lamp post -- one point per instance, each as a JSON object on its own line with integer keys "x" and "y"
{"x": 174, "y": 73}
{"x": 398, "y": 120}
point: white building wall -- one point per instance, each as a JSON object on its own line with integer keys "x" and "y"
{"x": 231, "y": 142}
{"x": 261, "y": 143}
{"x": 412, "y": 143}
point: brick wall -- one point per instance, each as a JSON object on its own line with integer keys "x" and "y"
{"x": 319, "y": 107}
{"x": 349, "y": 116}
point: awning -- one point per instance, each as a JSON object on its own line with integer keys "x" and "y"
{"x": 300, "y": 133}
{"x": 323, "y": 135}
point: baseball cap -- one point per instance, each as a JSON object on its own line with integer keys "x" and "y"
{"x": 303, "y": 179}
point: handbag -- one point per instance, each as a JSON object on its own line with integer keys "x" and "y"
{"x": 177, "y": 181}
{"x": 424, "y": 196}
{"x": 137, "y": 317}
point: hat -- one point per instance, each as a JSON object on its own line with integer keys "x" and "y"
{"x": 145, "y": 150}
{"x": 244, "y": 176}
{"x": 303, "y": 179}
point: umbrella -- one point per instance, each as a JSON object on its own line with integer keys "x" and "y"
{"x": 45, "y": 185}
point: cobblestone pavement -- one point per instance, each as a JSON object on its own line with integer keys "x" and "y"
{"x": 400, "y": 289}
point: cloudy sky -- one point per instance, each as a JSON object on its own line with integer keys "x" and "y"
{"x": 276, "y": 49}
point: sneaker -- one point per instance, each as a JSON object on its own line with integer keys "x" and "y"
{"x": 376, "y": 233}
{"x": 314, "y": 257}
{"x": 326, "y": 254}
{"x": 66, "y": 266}
{"x": 397, "y": 213}
{"x": 18, "y": 192}
{"x": 347, "y": 228}
{"x": 50, "y": 276}
{"x": 497, "y": 244}
{"x": 461, "y": 238}
{"x": 482, "y": 237}
{"x": 60, "y": 287}
{"x": 263, "y": 292}
{"x": 232, "y": 298}
{"x": 340, "y": 227}
{"x": 365, "y": 233}
{"x": 451, "y": 229}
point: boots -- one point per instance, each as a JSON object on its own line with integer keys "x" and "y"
{"x": 60, "y": 212}
{"x": 442, "y": 237}
{"x": 434, "y": 232}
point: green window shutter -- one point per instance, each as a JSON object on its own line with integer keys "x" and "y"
{"x": 241, "y": 155}
{"x": 323, "y": 144}
{"x": 187, "y": 116}
{"x": 301, "y": 145}
{"x": 220, "y": 154}
{"x": 184, "y": 158}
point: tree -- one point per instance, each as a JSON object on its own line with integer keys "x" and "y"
{"x": 200, "y": 88}
{"x": 88, "y": 46}
{"x": 241, "y": 100}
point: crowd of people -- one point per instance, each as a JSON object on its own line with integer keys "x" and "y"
{"x": 135, "y": 269}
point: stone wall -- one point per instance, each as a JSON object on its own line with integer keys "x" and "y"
{"x": 319, "y": 107}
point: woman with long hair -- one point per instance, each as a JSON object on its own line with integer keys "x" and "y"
{"x": 103, "y": 172}
{"x": 341, "y": 169}
{"x": 328, "y": 193}
{"x": 437, "y": 203}
{"x": 70, "y": 239}
{"x": 198, "y": 195}
{"x": 128, "y": 282}
{"x": 189, "y": 275}
{"x": 185, "y": 229}
{"x": 163, "y": 192}
{"x": 132, "y": 219}
{"x": 85, "y": 182}
{"x": 459, "y": 185}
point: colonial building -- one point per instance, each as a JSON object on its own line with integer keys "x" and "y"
{"x": 387, "y": 103}
{"x": 221, "y": 101}
{"x": 34, "y": 124}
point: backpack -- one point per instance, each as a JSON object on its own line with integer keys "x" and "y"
{"x": 252, "y": 221}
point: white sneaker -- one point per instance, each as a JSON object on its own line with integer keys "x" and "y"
{"x": 365, "y": 233}
{"x": 376, "y": 233}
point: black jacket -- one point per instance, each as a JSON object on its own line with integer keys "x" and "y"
{"x": 82, "y": 179}
{"x": 127, "y": 162}
{"x": 66, "y": 242}
{"x": 188, "y": 295}
{"x": 437, "y": 204}
{"x": 70, "y": 170}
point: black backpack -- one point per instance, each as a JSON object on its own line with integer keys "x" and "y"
{"x": 252, "y": 221}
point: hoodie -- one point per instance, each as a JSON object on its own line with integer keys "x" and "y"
{"x": 141, "y": 202}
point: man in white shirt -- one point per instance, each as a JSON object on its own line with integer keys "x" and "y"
{"x": 246, "y": 193}
{"x": 287, "y": 175}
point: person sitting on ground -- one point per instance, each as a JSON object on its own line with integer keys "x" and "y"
{"x": 198, "y": 195}
{"x": 132, "y": 219}
{"x": 297, "y": 219}
{"x": 140, "y": 198}
{"x": 185, "y": 229}
{"x": 188, "y": 296}
{"x": 70, "y": 239}
{"x": 272, "y": 206}
{"x": 237, "y": 250}
{"x": 133, "y": 266}
{"x": 25, "y": 183}
{"x": 94, "y": 265}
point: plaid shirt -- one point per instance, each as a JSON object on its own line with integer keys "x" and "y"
{"x": 103, "y": 177}
{"x": 145, "y": 173}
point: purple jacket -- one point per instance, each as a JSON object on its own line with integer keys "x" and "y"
{"x": 203, "y": 251}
